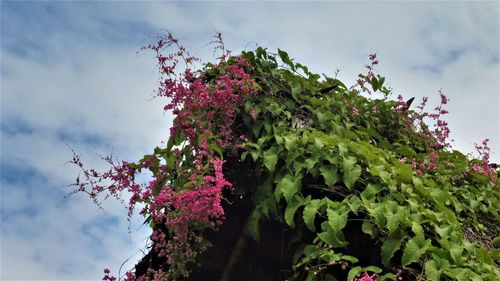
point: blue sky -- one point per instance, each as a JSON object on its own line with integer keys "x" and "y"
{"x": 71, "y": 77}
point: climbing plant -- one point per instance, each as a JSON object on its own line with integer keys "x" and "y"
{"x": 327, "y": 160}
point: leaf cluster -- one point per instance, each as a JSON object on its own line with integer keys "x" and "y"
{"x": 330, "y": 163}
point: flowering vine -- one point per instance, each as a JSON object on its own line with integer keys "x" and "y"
{"x": 186, "y": 190}
{"x": 344, "y": 160}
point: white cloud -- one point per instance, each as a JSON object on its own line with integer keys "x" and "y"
{"x": 71, "y": 239}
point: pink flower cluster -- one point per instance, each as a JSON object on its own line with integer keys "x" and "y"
{"x": 107, "y": 276}
{"x": 485, "y": 169}
{"x": 436, "y": 138}
{"x": 186, "y": 194}
{"x": 441, "y": 130}
{"x": 363, "y": 79}
{"x": 203, "y": 105}
{"x": 426, "y": 166}
{"x": 400, "y": 104}
{"x": 196, "y": 204}
{"x": 439, "y": 136}
{"x": 367, "y": 277}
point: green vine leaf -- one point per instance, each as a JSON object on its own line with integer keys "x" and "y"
{"x": 355, "y": 271}
{"x": 310, "y": 211}
{"x": 390, "y": 246}
{"x": 352, "y": 171}
{"x": 333, "y": 237}
{"x": 373, "y": 268}
{"x": 329, "y": 172}
{"x": 271, "y": 158}
{"x": 431, "y": 271}
{"x": 370, "y": 191}
{"x": 337, "y": 219}
{"x": 285, "y": 58}
{"x": 289, "y": 185}
{"x": 368, "y": 228}
{"x": 292, "y": 207}
{"x": 415, "y": 248}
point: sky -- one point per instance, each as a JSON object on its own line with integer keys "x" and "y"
{"x": 72, "y": 78}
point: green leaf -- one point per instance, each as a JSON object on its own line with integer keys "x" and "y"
{"x": 370, "y": 192}
{"x": 296, "y": 90}
{"x": 326, "y": 237}
{"x": 291, "y": 209}
{"x": 375, "y": 84}
{"x": 350, "y": 259}
{"x": 217, "y": 149}
{"x": 343, "y": 148}
{"x": 484, "y": 257}
{"x": 394, "y": 217}
{"x": 379, "y": 171}
{"x": 456, "y": 253}
{"x": 291, "y": 142}
{"x": 310, "y": 211}
{"x": 318, "y": 143}
{"x": 329, "y": 172}
{"x": 461, "y": 274}
{"x": 368, "y": 228}
{"x": 355, "y": 271}
{"x": 244, "y": 155}
{"x": 381, "y": 81}
{"x": 496, "y": 241}
{"x": 417, "y": 228}
{"x": 377, "y": 211}
{"x": 267, "y": 126}
{"x": 271, "y": 158}
{"x": 255, "y": 155}
{"x": 352, "y": 171}
{"x": 285, "y": 58}
{"x": 257, "y": 127}
{"x": 431, "y": 271}
{"x": 415, "y": 248}
{"x": 311, "y": 276}
{"x": 391, "y": 244}
{"x": 337, "y": 220}
{"x": 373, "y": 268}
{"x": 354, "y": 203}
{"x": 289, "y": 185}
{"x": 309, "y": 163}
{"x": 331, "y": 236}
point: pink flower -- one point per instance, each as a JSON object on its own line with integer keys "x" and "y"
{"x": 130, "y": 276}
{"x": 355, "y": 111}
{"x": 367, "y": 277}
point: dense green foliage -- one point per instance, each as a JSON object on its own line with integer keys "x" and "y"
{"x": 369, "y": 187}
{"x": 325, "y": 170}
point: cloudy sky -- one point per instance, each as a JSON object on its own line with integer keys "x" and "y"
{"x": 71, "y": 78}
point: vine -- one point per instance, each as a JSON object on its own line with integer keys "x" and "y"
{"x": 328, "y": 159}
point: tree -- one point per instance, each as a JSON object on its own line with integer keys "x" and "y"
{"x": 365, "y": 187}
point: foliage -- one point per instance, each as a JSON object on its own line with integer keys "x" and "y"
{"x": 328, "y": 159}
